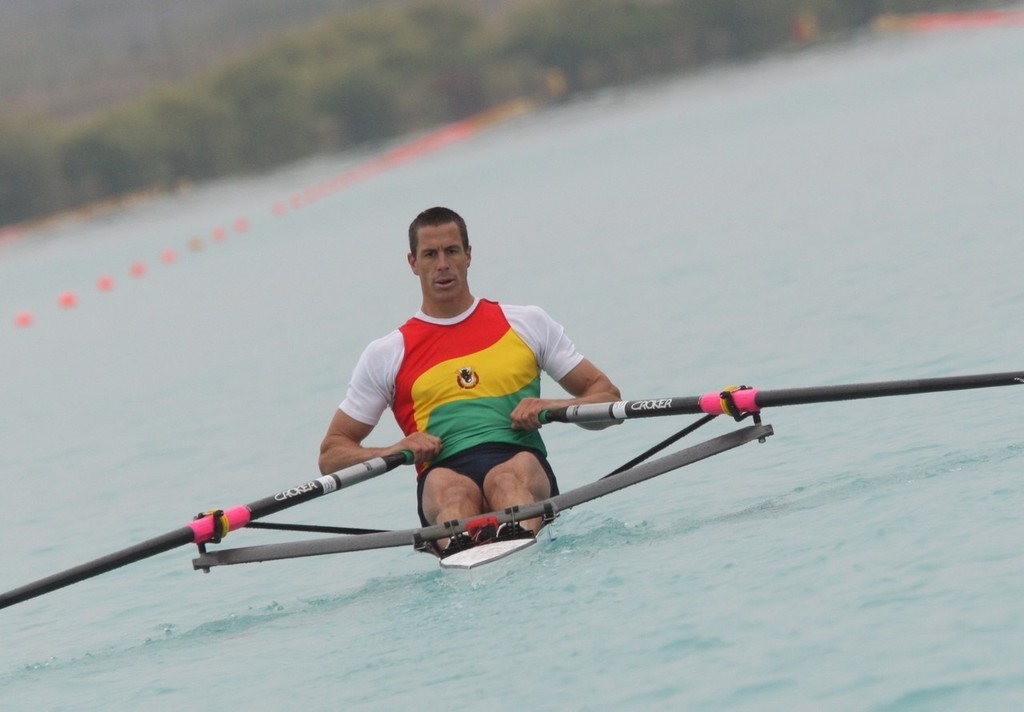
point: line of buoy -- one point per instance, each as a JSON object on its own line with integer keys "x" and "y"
{"x": 69, "y": 299}
{"x": 939, "y": 21}
{"x": 397, "y": 156}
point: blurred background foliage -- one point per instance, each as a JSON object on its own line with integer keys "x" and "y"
{"x": 330, "y": 74}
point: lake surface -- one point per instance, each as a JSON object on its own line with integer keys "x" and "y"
{"x": 840, "y": 215}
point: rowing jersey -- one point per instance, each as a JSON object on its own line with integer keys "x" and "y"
{"x": 460, "y": 378}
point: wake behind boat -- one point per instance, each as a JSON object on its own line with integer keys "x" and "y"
{"x": 498, "y": 534}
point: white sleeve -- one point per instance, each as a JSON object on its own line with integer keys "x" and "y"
{"x": 372, "y": 388}
{"x": 556, "y": 353}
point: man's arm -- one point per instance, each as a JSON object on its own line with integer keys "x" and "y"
{"x": 586, "y": 382}
{"x": 342, "y": 445}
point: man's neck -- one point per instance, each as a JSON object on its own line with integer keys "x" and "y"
{"x": 447, "y": 310}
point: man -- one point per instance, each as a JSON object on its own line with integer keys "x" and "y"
{"x": 462, "y": 378}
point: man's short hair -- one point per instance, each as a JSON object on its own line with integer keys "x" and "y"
{"x": 433, "y": 217}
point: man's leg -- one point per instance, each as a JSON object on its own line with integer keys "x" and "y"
{"x": 448, "y": 495}
{"x": 519, "y": 480}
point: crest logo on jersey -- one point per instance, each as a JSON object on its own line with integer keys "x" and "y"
{"x": 468, "y": 378}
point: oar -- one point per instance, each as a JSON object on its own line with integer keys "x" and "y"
{"x": 211, "y": 526}
{"x": 738, "y": 402}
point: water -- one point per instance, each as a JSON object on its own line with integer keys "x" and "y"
{"x": 842, "y": 215}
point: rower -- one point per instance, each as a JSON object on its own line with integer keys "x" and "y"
{"x": 462, "y": 378}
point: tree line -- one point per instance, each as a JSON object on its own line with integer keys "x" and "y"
{"x": 388, "y": 68}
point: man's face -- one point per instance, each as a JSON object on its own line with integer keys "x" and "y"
{"x": 442, "y": 264}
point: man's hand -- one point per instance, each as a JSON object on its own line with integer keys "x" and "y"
{"x": 423, "y": 446}
{"x": 526, "y": 415}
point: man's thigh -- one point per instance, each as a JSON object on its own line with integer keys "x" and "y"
{"x": 521, "y": 474}
{"x": 445, "y": 488}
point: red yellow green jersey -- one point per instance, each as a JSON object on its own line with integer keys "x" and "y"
{"x": 460, "y": 378}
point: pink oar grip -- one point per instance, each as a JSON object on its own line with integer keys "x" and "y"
{"x": 745, "y": 400}
{"x": 202, "y": 529}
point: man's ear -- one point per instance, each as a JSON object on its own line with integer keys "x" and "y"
{"x": 412, "y": 262}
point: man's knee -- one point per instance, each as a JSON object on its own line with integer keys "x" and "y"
{"x": 504, "y": 478}
{"x": 460, "y": 493}
{"x": 520, "y": 478}
{"x": 446, "y": 491}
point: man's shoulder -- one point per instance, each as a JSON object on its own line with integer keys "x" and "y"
{"x": 389, "y": 342}
{"x": 529, "y": 313}
{"x": 518, "y": 308}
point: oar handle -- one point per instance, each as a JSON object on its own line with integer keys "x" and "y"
{"x": 325, "y": 484}
{"x": 371, "y": 468}
{"x": 621, "y": 410}
{"x": 751, "y": 400}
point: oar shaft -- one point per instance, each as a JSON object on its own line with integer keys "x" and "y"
{"x": 208, "y": 528}
{"x": 882, "y": 389}
{"x": 751, "y": 400}
{"x": 137, "y": 552}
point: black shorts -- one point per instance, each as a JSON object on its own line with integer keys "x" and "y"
{"x": 477, "y": 461}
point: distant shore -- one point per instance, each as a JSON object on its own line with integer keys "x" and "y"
{"x": 397, "y": 68}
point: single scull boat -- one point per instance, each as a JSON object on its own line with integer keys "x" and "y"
{"x": 211, "y": 526}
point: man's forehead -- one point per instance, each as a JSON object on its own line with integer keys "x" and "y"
{"x": 438, "y": 235}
